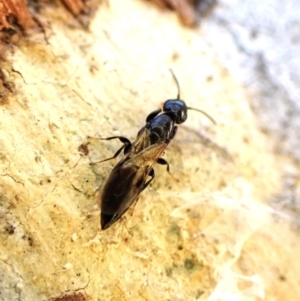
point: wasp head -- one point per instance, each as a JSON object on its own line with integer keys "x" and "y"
{"x": 176, "y": 109}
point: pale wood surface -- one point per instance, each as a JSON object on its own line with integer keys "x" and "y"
{"x": 210, "y": 236}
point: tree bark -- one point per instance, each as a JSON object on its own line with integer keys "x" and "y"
{"x": 208, "y": 234}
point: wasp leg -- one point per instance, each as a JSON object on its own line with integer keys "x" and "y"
{"x": 174, "y": 132}
{"x": 123, "y": 139}
{"x": 152, "y": 175}
{"x": 153, "y": 115}
{"x": 133, "y": 206}
{"x": 113, "y": 157}
{"x": 126, "y": 146}
{"x": 163, "y": 162}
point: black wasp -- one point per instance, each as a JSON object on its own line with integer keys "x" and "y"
{"x": 135, "y": 172}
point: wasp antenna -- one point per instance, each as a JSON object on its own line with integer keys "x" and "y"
{"x": 204, "y": 113}
{"x": 177, "y": 83}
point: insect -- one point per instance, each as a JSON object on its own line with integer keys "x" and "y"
{"x": 135, "y": 171}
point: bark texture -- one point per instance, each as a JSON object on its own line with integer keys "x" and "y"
{"x": 210, "y": 235}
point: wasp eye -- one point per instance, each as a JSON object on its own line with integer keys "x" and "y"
{"x": 183, "y": 117}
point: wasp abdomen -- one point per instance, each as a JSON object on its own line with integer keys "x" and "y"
{"x": 115, "y": 195}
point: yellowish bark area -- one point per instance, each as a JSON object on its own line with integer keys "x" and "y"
{"x": 208, "y": 235}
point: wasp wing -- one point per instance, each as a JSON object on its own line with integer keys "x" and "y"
{"x": 126, "y": 182}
